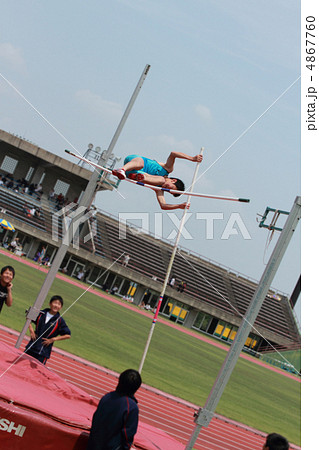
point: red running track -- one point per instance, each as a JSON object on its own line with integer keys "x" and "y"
{"x": 168, "y": 413}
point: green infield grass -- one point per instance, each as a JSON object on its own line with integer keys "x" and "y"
{"x": 113, "y": 336}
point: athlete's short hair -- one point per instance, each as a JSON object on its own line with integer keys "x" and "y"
{"x": 180, "y": 186}
{"x": 129, "y": 382}
{"x": 56, "y": 297}
{"x": 275, "y": 441}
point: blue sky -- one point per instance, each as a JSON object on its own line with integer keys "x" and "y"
{"x": 216, "y": 67}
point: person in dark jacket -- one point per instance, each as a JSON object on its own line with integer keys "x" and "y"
{"x": 49, "y": 328}
{"x": 275, "y": 441}
{"x": 115, "y": 420}
{"x": 6, "y": 277}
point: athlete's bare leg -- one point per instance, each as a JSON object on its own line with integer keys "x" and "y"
{"x": 134, "y": 164}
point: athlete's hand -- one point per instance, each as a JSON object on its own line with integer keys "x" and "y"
{"x": 198, "y": 158}
{"x": 33, "y": 335}
{"x": 184, "y": 205}
{"x": 47, "y": 342}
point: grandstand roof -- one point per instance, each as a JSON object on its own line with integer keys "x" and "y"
{"x": 27, "y": 151}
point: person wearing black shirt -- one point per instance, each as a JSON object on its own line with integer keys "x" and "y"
{"x": 6, "y": 277}
{"x": 49, "y": 328}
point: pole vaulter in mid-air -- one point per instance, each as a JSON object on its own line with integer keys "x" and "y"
{"x": 153, "y": 175}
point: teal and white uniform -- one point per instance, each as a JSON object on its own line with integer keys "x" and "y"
{"x": 151, "y": 166}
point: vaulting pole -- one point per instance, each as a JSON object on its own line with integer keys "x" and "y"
{"x": 169, "y": 268}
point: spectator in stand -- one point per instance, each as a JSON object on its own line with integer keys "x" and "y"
{"x": 172, "y": 281}
{"x": 275, "y": 441}
{"x": 115, "y": 420}
{"x": 59, "y": 201}
{"x": 182, "y": 286}
{"x": 5, "y": 243}
{"x": 32, "y": 211}
{"x": 46, "y": 260}
{"x": 7, "y": 275}
{"x": 38, "y": 188}
{"x": 42, "y": 254}
{"x": 37, "y": 213}
{"x": 126, "y": 260}
{"x": 80, "y": 274}
{"x": 26, "y": 210}
{"x": 13, "y": 245}
{"x": 37, "y": 256}
{"x": 38, "y": 191}
{"x": 114, "y": 290}
{"x": 31, "y": 189}
{"x": 51, "y": 195}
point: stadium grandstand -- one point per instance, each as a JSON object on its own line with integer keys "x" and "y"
{"x": 36, "y": 185}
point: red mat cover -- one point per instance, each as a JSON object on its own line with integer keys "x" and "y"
{"x": 38, "y": 409}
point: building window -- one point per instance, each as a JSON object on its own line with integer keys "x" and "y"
{"x": 205, "y": 323}
{"x": 251, "y": 341}
{"x": 96, "y": 276}
{"x": 202, "y": 322}
{"x": 226, "y": 332}
{"x": 9, "y": 164}
{"x": 233, "y": 334}
{"x": 176, "y": 311}
{"x": 61, "y": 187}
{"x": 42, "y": 178}
{"x": 29, "y": 174}
{"x": 198, "y": 320}
{"x": 125, "y": 287}
{"x": 219, "y": 329}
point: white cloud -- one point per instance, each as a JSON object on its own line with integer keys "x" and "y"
{"x": 203, "y": 112}
{"x": 11, "y": 56}
{"x": 104, "y": 109}
{"x": 171, "y": 143}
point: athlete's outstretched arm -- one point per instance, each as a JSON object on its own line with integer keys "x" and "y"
{"x": 169, "y": 165}
{"x": 165, "y": 206}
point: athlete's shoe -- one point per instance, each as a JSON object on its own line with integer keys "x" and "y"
{"x": 136, "y": 176}
{"x": 119, "y": 173}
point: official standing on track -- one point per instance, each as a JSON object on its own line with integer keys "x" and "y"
{"x": 115, "y": 421}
